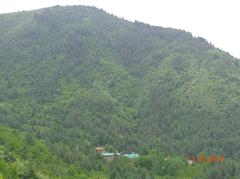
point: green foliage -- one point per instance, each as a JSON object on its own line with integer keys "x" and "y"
{"x": 24, "y": 156}
{"x": 73, "y": 78}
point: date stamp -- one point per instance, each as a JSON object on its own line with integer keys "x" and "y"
{"x": 203, "y": 159}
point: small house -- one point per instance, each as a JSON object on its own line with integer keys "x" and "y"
{"x": 132, "y": 155}
{"x": 108, "y": 156}
{"x": 99, "y": 150}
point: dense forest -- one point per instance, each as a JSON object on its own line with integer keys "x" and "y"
{"x": 74, "y": 78}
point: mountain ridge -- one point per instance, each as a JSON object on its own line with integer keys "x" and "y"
{"x": 77, "y": 77}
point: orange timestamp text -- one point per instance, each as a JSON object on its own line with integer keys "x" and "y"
{"x": 210, "y": 159}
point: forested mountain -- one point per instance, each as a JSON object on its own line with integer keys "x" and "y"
{"x": 73, "y": 78}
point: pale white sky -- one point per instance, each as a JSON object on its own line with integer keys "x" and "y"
{"x": 218, "y": 21}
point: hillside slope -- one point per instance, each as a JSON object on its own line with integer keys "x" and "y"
{"x": 77, "y": 77}
{"x": 23, "y": 156}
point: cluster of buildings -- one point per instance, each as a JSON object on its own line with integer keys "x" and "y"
{"x": 110, "y": 156}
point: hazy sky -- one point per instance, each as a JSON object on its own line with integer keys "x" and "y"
{"x": 216, "y": 20}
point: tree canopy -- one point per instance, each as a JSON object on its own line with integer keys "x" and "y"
{"x": 73, "y": 78}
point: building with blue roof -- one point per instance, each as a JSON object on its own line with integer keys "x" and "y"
{"x": 132, "y": 155}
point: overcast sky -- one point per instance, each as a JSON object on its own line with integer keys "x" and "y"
{"x": 218, "y": 21}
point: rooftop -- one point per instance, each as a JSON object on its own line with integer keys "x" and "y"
{"x": 107, "y": 154}
{"x": 132, "y": 155}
